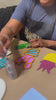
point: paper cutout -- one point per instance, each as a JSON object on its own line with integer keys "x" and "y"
{"x": 32, "y": 94}
{"x": 26, "y": 58}
{"x": 32, "y": 51}
{"x": 51, "y": 57}
{"x": 2, "y": 62}
{"x": 46, "y": 65}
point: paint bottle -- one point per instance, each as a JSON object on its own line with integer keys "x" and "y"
{"x": 11, "y": 68}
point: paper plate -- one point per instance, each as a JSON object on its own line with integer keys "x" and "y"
{"x": 2, "y": 88}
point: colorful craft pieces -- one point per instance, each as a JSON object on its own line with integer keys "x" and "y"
{"x": 22, "y": 46}
{"x": 32, "y": 51}
{"x": 48, "y": 63}
{"x": 26, "y": 58}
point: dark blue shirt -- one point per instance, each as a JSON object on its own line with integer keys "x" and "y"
{"x": 45, "y": 14}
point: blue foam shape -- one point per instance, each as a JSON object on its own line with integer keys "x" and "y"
{"x": 33, "y": 50}
{"x": 32, "y": 94}
{"x": 2, "y": 62}
{"x": 30, "y": 53}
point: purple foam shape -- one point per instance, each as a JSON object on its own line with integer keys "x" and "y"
{"x": 30, "y": 60}
{"x": 22, "y": 57}
{"x": 28, "y": 56}
{"x": 25, "y": 59}
{"x": 27, "y": 65}
{"x": 45, "y": 64}
{"x": 19, "y": 59}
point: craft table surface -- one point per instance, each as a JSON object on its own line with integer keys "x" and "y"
{"x": 41, "y": 81}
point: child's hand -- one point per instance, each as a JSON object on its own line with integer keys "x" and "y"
{"x": 4, "y": 44}
{"x": 38, "y": 43}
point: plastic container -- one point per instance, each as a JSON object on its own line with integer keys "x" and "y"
{"x": 9, "y": 64}
{"x": 11, "y": 68}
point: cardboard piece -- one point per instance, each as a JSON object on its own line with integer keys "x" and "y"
{"x": 42, "y": 82}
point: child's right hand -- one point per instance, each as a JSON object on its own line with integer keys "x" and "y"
{"x": 4, "y": 44}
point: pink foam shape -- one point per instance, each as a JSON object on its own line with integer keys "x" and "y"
{"x": 46, "y": 65}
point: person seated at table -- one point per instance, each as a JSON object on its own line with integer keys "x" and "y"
{"x": 39, "y": 16}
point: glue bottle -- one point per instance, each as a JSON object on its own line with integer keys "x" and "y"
{"x": 11, "y": 68}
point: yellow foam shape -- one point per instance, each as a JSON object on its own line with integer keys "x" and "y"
{"x": 51, "y": 57}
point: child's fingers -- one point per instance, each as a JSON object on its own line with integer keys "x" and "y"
{"x": 33, "y": 40}
{"x": 34, "y": 45}
{"x": 7, "y": 45}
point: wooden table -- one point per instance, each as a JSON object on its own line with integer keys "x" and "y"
{"x": 42, "y": 81}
